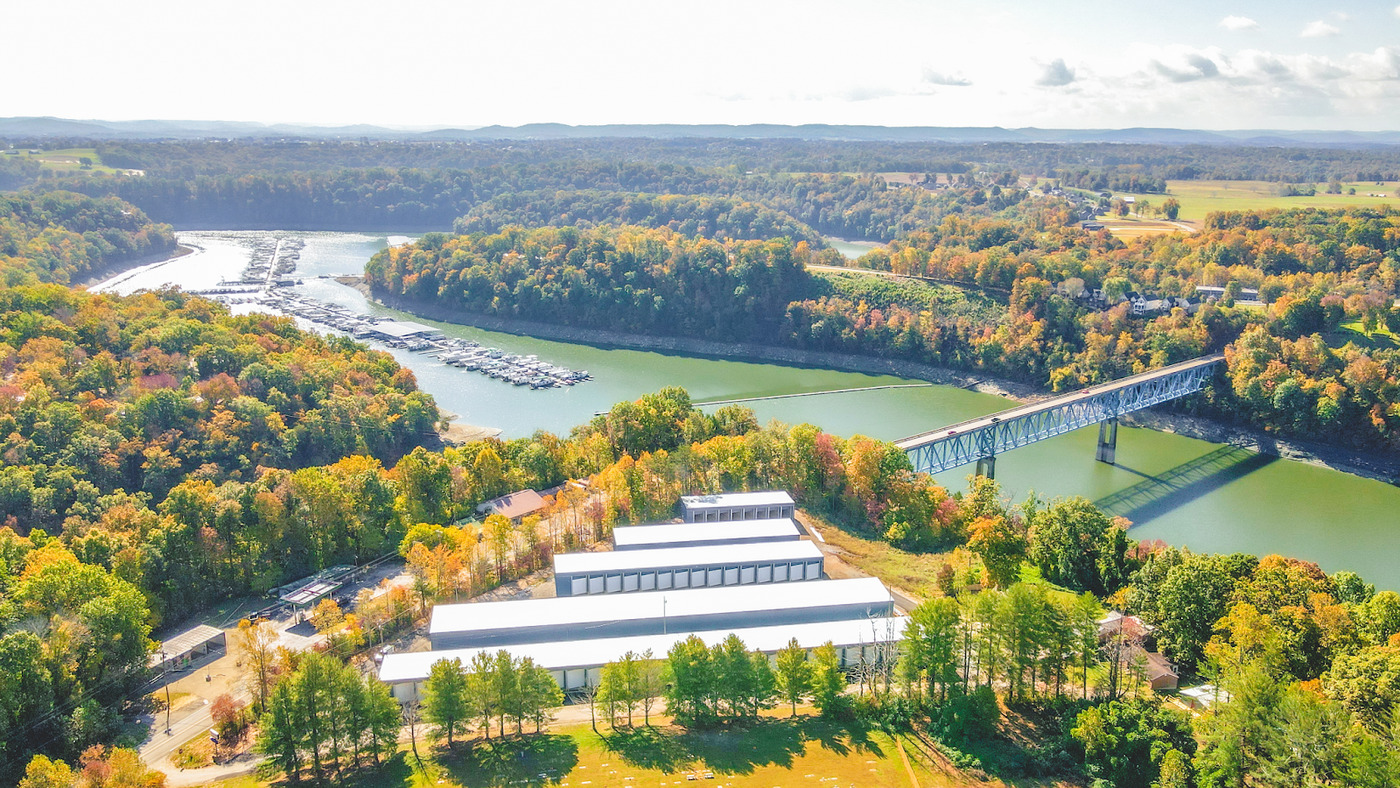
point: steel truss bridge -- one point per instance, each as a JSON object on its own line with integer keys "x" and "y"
{"x": 980, "y": 440}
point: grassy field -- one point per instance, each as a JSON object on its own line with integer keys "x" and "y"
{"x": 913, "y": 573}
{"x": 69, "y": 160}
{"x": 1199, "y": 198}
{"x": 775, "y": 751}
{"x": 1381, "y": 338}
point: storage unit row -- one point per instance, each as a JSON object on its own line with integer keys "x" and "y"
{"x": 578, "y": 663}
{"x": 576, "y": 574}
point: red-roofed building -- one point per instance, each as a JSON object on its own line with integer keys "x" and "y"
{"x": 516, "y": 506}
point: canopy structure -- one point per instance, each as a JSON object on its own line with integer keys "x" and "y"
{"x": 179, "y": 650}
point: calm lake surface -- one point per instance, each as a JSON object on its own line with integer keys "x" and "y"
{"x": 1180, "y": 490}
{"x": 852, "y": 249}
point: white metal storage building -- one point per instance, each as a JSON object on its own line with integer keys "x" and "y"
{"x": 642, "y": 537}
{"x": 574, "y": 663}
{"x": 577, "y": 574}
{"x": 736, "y": 506}
{"x": 496, "y": 624}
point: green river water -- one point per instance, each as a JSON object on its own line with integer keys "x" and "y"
{"x": 1183, "y": 491}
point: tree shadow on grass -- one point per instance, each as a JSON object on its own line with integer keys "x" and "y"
{"x": 392, "y": 772}
{"x": 650, "y": 748}
{"x": 737, "y": 748}
{"x": 535, "y": 760}
{"x": 840, "y": 736}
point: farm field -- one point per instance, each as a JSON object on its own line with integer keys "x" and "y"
{"x": 1199, "y": 198}
{"x": 70, "y": 160}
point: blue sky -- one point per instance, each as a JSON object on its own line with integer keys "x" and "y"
{"x": 1049, "y": 63}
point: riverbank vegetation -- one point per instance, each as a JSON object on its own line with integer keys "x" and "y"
{"x": 1287, "y": 371}
{"x": 63, "y": 237}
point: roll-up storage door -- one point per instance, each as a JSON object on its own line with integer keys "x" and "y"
{"x": 746, "y": 575}
{"x": 578, "y": 586}
{"x": 664, "y": 579}
{"x": 596, "y": 584}
{"x": 648, "y": 581}
{"x": 716, "y": 577}
{"x": 765, "y": 573}
{"x": 731, "y": 575}
{"x": 614, "y": 583}
{"x": 630, "y": 581}
{"x": 780, "y": 573}
{"x": 814, "y": 571}
{"x": 682, "y": 578}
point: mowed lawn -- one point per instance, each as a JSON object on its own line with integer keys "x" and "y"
{"x": 1199, "y": 198}
{"x": 775, "y": 751}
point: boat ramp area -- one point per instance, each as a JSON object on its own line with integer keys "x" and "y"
{"x": 462, "y": 353}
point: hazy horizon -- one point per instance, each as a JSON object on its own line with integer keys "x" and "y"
{"x": 428, "y": 64}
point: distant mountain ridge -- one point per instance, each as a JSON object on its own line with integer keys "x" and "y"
{"x": 46, "y": 127}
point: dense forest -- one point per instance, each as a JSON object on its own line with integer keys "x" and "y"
{"x": 701, "y": 216}
{"x": 63, "y": 237}
{"x": 1111, "y": 165}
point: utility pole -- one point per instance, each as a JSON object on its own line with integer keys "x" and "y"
{"x": 165, "y": 678}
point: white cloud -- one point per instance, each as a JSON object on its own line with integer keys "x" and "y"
{"x": 1194, "y": 66}
{"x": 1238, "y": 23}
{"x": 1056, "y": 74}
{"x": 1397, "y": 10}
{"x": 948, "y": 80}
{"x": 1319, "y": 29}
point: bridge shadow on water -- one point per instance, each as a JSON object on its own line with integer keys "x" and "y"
{"x": 1158, "y": 495}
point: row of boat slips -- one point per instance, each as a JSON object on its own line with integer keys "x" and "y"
{"x": 726, "y": 507}
{"x": 577, "y": 663}
{"x": 514, "y": 622}
{"x": 624, "y": 571}
{"x": 644, "y": 537}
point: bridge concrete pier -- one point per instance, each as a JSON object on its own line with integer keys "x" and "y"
{"x": 1108, "y": 440}
{"x": 987, "y": 466}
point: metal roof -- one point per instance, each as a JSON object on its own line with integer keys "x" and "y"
{"x": 187, "y": 641}
{"x": 677, "y": 534}
{"x": 401, "y": 328}
{"x": 764, "y": 498}
{"x": 580, "y": 612}
{"x": 562, "y": 655}
{"x": 704, "y": 555}
{"x": 310, "y": 592}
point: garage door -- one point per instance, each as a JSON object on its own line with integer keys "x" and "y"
{"x": 682, "y": 578}
{"x": 664, "y": 579}
{"x": 648, "y": 581}
{"x": 578, "y": 586}
{"x": 630, "y": 581}
{"x": 746, "y": 575}
{"x": 614, "y": 583}
{"x": 716, "y": 577}
{"x": 731, "y": 575}
{"x": 595, "y": 584}
{"x": 780, "y": 573}
{"x": 765, "y": 574}
{"x": 814, "y": 571}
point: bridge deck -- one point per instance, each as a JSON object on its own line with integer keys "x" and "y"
{"x": 987, "y": 435}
